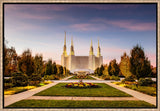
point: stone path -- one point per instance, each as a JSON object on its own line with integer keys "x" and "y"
{"x": 136, "y": 94}
{"x": 81, "y": 98}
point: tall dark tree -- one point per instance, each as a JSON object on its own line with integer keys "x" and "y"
{"x": 101, "y": 69}
{"x": 54, "y": 68}
{"x": 140, "y": 65}
{"x": 38, "y": 61}
{"x": 113, "y": 68}
{"x": 48, "y": 70}
{"x": 26, "y": 63}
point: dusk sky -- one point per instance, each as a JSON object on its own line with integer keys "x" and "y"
{"x": 119, "y": 27}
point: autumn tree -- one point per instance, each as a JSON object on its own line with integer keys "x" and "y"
{"x": 101, "y": 69}
{"x": 105, "y": 71}
{"x": 125, "y": 65}
{"x": 26, "y": 63}
{"x": 140, "y": 65}
{"x": 113, "y": 68}
{"x": 10, "y": 61}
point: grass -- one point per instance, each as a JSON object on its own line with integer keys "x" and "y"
{"x": 88, "y": 77}
{"x": 82, "y": 104}
{"x": 104, "y": 91}
{"x": 144, "y": 89}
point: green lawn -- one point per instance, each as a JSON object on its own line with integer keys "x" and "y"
{"x": 87, "y": 104}
{"x": 88, "y": 77}
{"x": 104, "y": 91}
{"x": 144, "y": 89}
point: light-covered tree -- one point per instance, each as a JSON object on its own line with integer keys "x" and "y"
{"x": 125, "y": 65}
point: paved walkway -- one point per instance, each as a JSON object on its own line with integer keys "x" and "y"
{"x": 136, "y": 94}
{"x": 81, "y": 98}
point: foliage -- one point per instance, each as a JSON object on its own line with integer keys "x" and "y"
{"x": 51, "y": 77}
{"x": 129, "y": 78}
{"x": 19, "y": 79}
{"x": 59, "y": 70}
{"x": 34, "y": 79}
{"x": 140, "y": 65}
{"x": 38, "y": 62}
{"x": 26, "y": 63}
{"x": 81, "y": 85}
{"x": 10, "y": 61}
{"x": 82, "y": 77}
{"x": 145, "y": 82}
{"x": 101, "y": 69}
{"x": 125, "y": 65}
{"x": 48, "y": 70}
{"x": 54, "y": 68}
{"x": 113, "y": 68}
{"x": 8, "y": 85}
{"x": 114, "y": 78}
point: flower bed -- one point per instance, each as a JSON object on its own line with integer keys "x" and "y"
{"x": 81, "y": 77}
{"x": 81, "y": 85}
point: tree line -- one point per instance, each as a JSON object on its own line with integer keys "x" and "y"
{"x": 136, "y": 66}
{"x": 30, "y": 68}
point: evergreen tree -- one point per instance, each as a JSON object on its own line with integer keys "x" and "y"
{"x": 54, "y": 68}
{"x": 38, "y": 61}
{"x": 101, "y": 69}
{"x": 113, "y": 68}
{"x": 140, "y": 65}
{"x": 48, "y": 70}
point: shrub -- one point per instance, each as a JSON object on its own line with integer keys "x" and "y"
{"x": 8, "y": 80}
{"x": 35, "y": 79}
{"x": 130, "y": 78}
{"x": 19, "y": 79}
{"x": 106, "y": 77}
{"x": 7, "y": 85}
{"x": 51, "y": 77}
{"x": 114, "y": 77}
{"x": 145, "y": 82}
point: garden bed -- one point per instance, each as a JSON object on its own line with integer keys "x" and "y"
{"x": 82, "y": 77}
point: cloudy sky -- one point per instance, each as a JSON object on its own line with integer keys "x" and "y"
{"x": 119, "y": 27}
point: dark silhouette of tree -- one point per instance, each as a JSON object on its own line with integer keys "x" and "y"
{"x": 140, "y": 65}
{"x": 48, "y": 70}
{"x": 113, "y": 68}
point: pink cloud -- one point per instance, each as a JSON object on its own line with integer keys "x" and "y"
{"x": 152, "y": 58}
{"x": 131, "y": 25}
{"x": 87, "y": 27}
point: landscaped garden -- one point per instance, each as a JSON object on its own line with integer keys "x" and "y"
{"x": 103, "y": 91}
{"x": 80, "y": 104}
{"x": 82, "y": 77}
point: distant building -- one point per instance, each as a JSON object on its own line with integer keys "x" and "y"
{"x": 73, "y": 62}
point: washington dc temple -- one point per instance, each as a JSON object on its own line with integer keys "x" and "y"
{"x": 81, "y": 63}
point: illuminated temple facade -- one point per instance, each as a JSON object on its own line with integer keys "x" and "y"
{"x": 73, "y": 62}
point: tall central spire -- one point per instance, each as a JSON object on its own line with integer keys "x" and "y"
{"x": 64, "y": 47}
{"x": 91, "y": 49}
{"x": 72, "y": 48}
{"x": 98, "y": 50}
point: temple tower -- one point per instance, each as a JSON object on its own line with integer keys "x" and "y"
{"x": 71, "y": 56}
{"x": 64, "y": 55}
{"x": 91, "y": 58}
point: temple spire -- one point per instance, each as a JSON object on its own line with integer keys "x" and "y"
{"x": 91, "y": 49}
{"x": 72, "y": 48}
{"x": 64, "y": 47}
{"x": 98, "y": 50}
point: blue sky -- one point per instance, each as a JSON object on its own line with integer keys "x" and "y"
{"x": 119, "y": 27}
